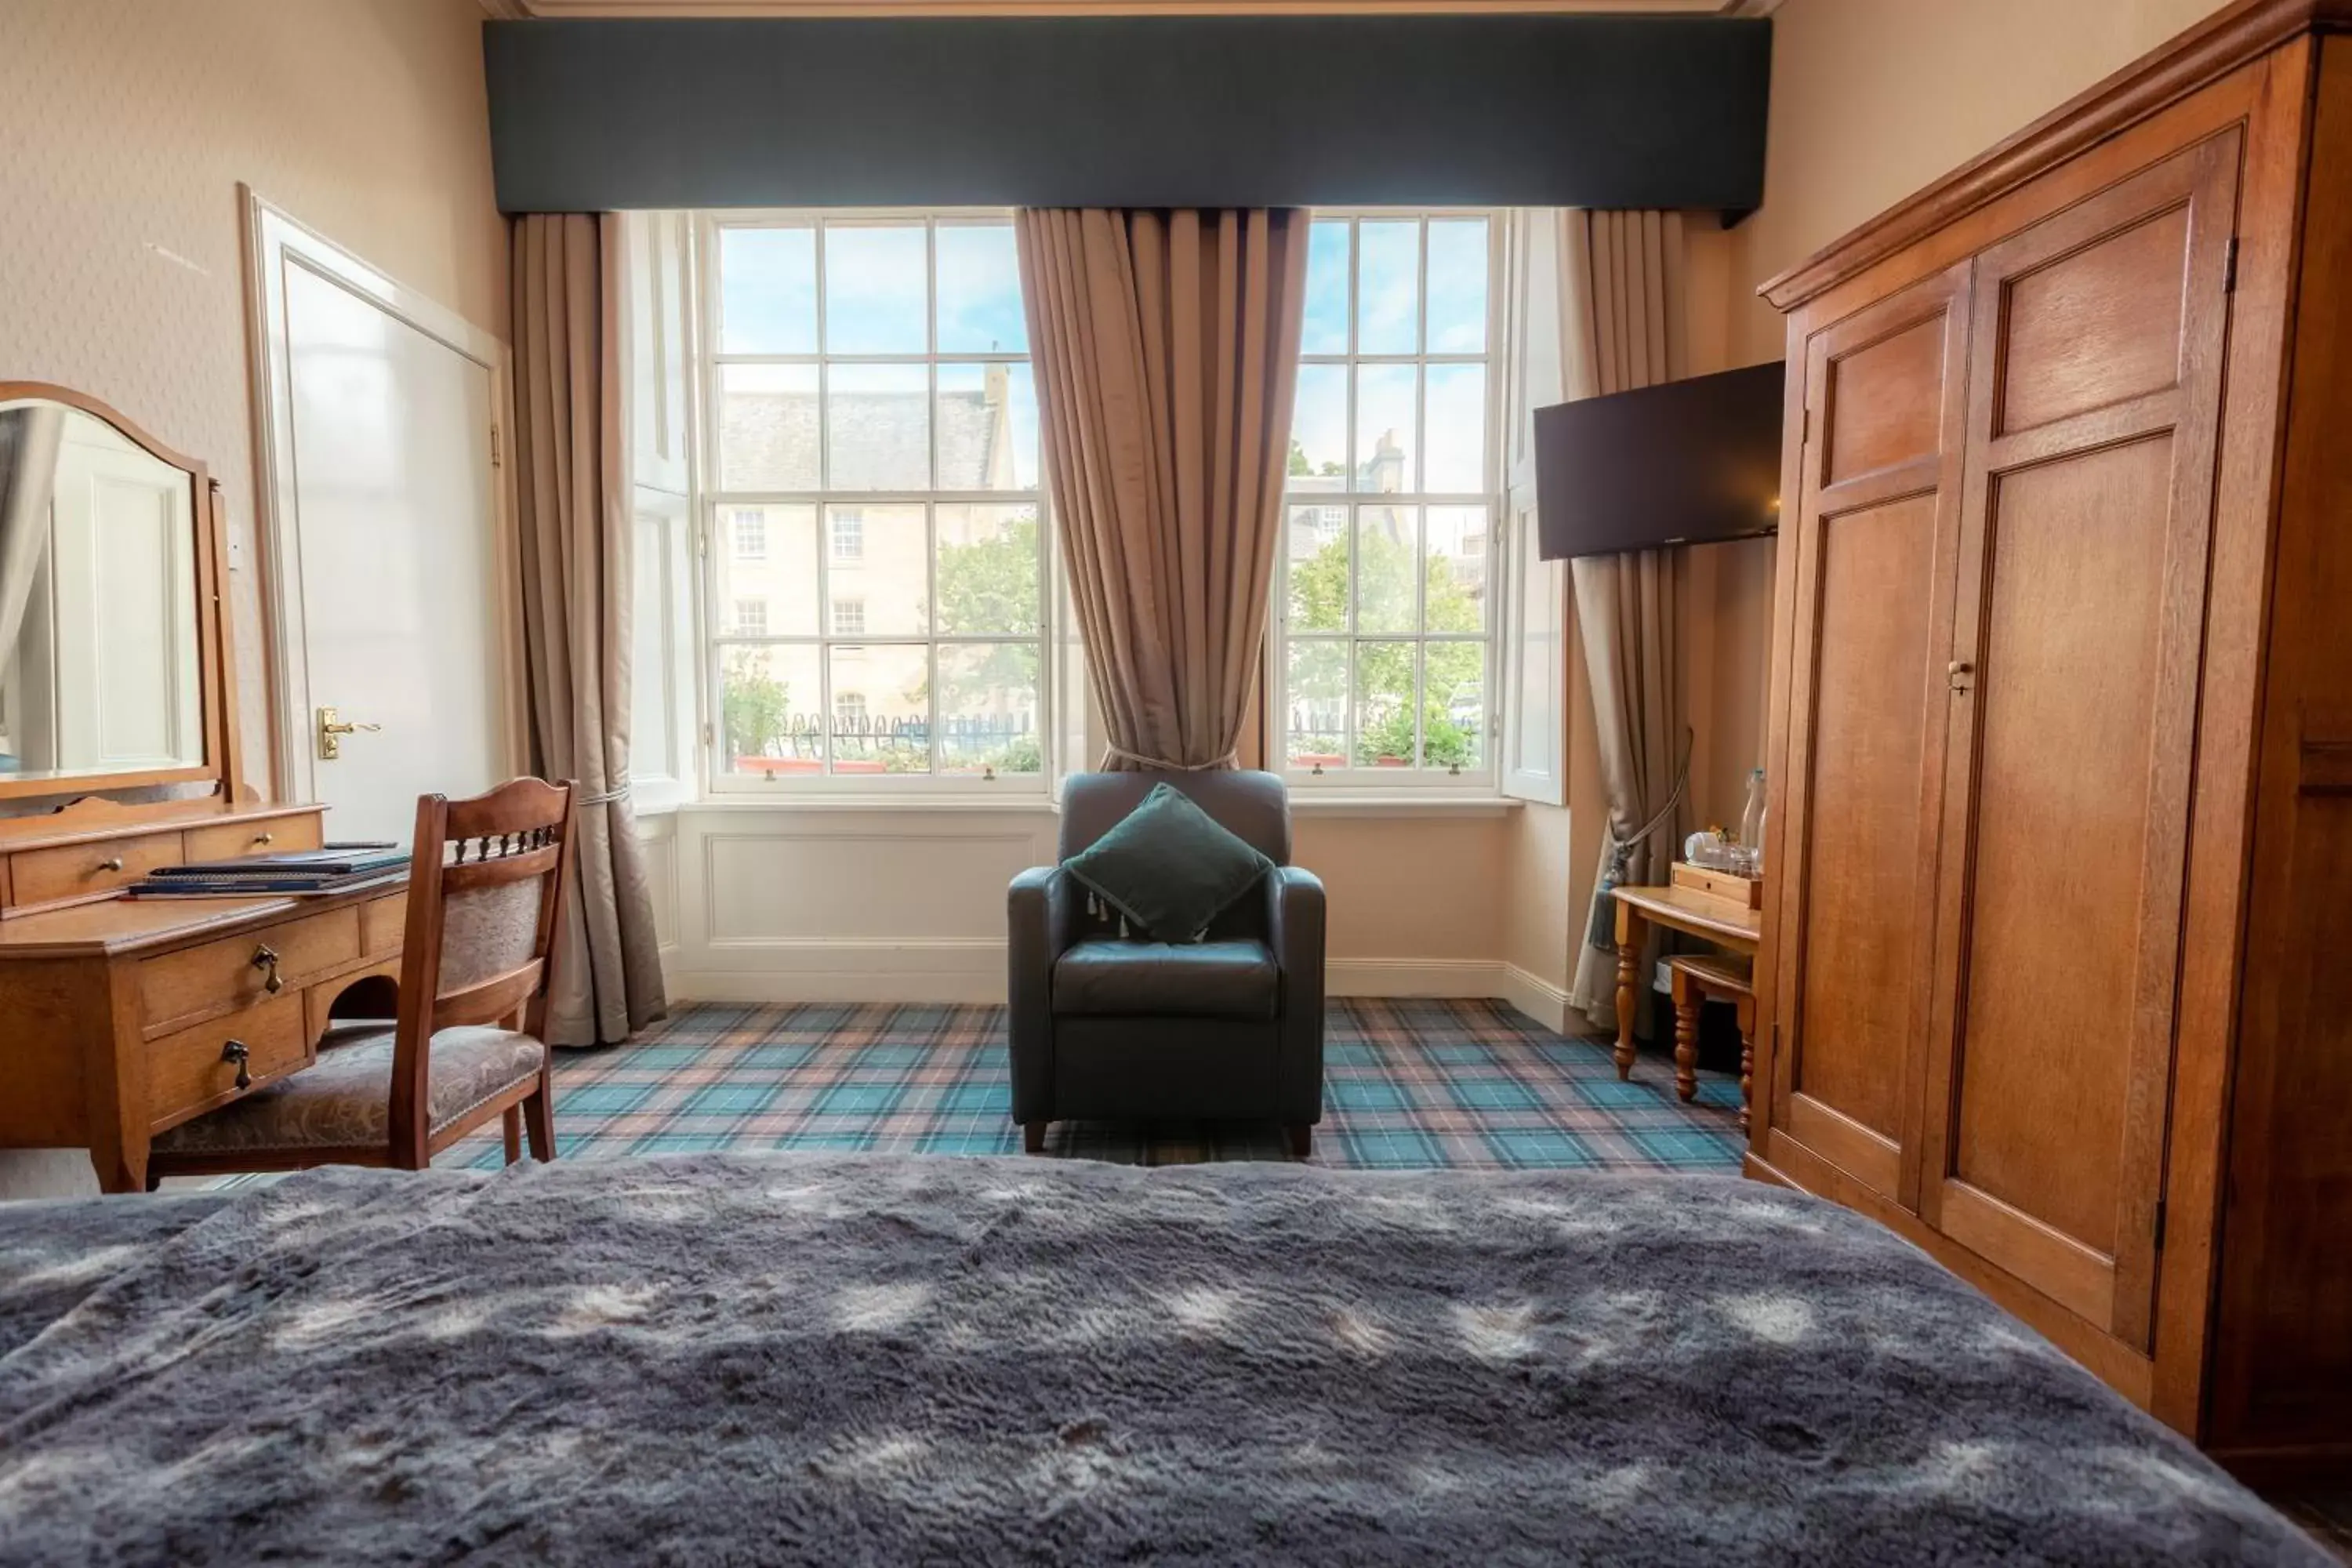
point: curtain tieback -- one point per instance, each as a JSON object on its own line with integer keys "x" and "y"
{"x": 1230, "y": 760}
{"x": 607, "y": 798}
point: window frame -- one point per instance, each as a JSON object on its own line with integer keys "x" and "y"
{"x": 713, "y": 501}
{"x": 1482, "y": 782}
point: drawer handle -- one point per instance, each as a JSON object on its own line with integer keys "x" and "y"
{"x": 265, "y": 839}
{"x": 111, "y": 863}
{"x": 265, "y": 958}
{"x": 237, "y": 1051}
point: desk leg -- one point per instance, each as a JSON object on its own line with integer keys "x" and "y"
{"x": 1631, "y": 928}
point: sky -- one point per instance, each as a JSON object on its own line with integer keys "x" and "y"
{"x": 875, "y": 301}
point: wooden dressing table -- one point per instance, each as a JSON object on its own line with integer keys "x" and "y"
{"x": 122, "y": 1016}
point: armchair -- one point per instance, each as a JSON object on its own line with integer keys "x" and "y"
{"x": 1230, "y": 1026}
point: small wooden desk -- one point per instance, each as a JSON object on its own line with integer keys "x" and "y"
{"x": 126, "y": 1016}
{"x": 1711, "y": 919}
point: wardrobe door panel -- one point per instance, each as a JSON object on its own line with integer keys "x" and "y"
{"x": 2072, "y": 691}
{"x": 1876, "y": 545}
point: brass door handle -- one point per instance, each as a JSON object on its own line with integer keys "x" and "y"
{"x": 265, "y": 958}
{"x": 332, "y": 728}
{"x": 237, "y": 1051}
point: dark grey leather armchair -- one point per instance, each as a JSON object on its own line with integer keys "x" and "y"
{"x": 1230, "y": 1026}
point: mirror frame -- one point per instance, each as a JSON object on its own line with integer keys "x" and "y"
{"x": 215, "y": 655}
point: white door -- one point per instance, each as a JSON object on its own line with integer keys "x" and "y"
{"x": 387, "y": 545}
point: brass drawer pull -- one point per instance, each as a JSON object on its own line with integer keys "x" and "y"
{"x": 111, "y": 863}
{"x": 237, "y": 1051}
{"x": 265, "y": 839}
{"x": 265, "y": 958}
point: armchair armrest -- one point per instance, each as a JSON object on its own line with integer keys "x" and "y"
{"x": 1294, "y": 931}
{"x": 1040, "y": 925}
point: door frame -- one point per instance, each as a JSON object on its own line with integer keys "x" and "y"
{"x": 275, "y": 242}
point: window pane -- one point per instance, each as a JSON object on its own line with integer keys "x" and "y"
{"x": 1318, "y": 429}
{"x": 766, "y": 427}
{"x": 979, "y": 290}
{"x": 770, "y": 698}
{"x": 881, "y": 719}
{"x": 877, "y": 426}
{"x": 1384, "y": 704}
{"x": 1457, "y": 286}
{"x": 987, "y": 709}
{"x": 767, "y": 290}
{"x": 1388, "y": 288}
{"x": 1388, "y": 557}
{"x": 988, "y": 571}
{"x": 876, "y": 294}
{"x": 1317, "y": 539}
{"x": 1385, "y": 427}
{"x": 1457, "y": 430}
{"x": 1453, "y": 693}
{"x": 987, "y": 428}
{"x": 1315, "y": 730}
{"x": 886, "y": 571}
{"x": 768, "y": 552}
{"x": 1326, "y": 291}
{"x": 1453, "y": 598}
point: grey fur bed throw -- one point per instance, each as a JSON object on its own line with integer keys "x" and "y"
{"x": 853, "y": 1360}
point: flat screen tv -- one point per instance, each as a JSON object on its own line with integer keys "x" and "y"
{"x": 1688, "y": 462}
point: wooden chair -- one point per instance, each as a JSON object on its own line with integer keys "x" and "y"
{"x": 486, "y": 894}
{"x": 1697, "y": 976}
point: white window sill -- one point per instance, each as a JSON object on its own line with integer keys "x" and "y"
{"x": 1025, "y": 805}
{"x": 1313, "y": 803}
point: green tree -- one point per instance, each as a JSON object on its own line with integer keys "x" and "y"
{"x": 988, "y": 588}
{"x": 757, "y": 705}
{"x": 1384, "y": 587}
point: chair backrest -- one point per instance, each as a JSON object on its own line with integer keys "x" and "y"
{"x": 1255, "y": 807}
{"x": 485, "y": 893}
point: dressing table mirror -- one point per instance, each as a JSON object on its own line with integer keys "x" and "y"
{"x": 118, "y": 754}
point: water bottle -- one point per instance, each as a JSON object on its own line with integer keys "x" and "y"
{"x": 1751, "y": 823}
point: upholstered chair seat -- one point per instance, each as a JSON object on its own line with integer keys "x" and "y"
{"x": 1233, "y": 979}
{"x": 344, "y": 1099}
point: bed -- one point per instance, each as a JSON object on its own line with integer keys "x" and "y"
{"x": 850, "y": 1359}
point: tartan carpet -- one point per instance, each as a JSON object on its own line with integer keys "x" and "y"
{"x": 1407, "y": 1083}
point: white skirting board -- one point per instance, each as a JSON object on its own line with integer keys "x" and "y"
{"x": 973, "y": 972}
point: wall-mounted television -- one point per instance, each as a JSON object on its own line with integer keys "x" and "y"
{"x": 1688, "y": 462}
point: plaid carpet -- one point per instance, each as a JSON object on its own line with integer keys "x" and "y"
{"x": 1406, "y": 1083}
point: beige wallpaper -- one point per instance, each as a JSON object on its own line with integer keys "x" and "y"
{"x": 125, "y": 126}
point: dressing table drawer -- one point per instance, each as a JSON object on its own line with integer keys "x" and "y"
{"x": 87, "y": 870}
{"x": 198, "y": 1067}
{"x": 234, "y": 971}
{"x": 272, "y": 835}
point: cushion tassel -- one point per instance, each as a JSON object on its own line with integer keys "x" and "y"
{"x": 1122, "y": 928}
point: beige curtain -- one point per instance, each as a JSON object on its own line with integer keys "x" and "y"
{"x": 1622, "y": 327}
{"x": 1167, "y": 345}
{"x": 575, "y": 523}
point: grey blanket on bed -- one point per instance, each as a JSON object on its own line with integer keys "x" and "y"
{"x": 849, "y": 1360}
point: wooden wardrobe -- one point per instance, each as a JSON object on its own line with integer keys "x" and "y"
{"x": 2056, "y": 974}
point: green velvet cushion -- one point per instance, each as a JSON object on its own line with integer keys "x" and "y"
{"x": 1167, "y": 867}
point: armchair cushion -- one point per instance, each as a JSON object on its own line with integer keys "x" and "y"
{"x": 1168, "y": 868}
{"x": 1199, "y": 979}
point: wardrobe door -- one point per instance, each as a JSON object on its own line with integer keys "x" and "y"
{"x": 2093, "y": 405}
{"x": 1876, "y": 544}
